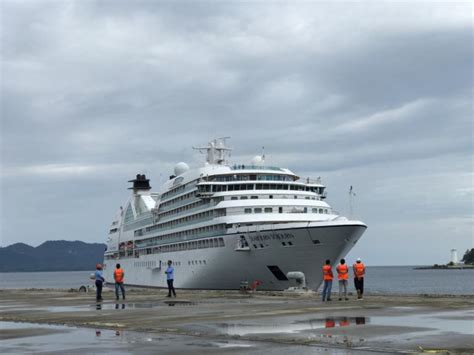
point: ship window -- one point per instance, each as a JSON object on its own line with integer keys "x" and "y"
{"x": 247, "y": 210}
{"x": 305, "y": 210}
{"x": 280, "y": 209}
{"x": 128, "y": 214}
{"x": 290, "y": 243}
{"x": 320, "y": 210}
{"x": 234, "y": 198}
{"x": 271, "y": 196}
{"x": 315, "y": 210}
{"x": 257, "y": 210}
{"x": 254, "y": 197}
{"x": 243, "y": 197}
{"x": 268, "y": 210}
{"x": 325, "y": 211}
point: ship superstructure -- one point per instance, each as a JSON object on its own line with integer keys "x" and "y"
{"x": 224, "y": 224}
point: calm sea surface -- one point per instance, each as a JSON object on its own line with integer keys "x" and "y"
{"x": 379, "y": 279}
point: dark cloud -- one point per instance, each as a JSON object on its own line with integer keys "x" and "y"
{"x": 379, "y": 97}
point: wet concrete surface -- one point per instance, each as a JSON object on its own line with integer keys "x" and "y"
{"x": 229, "y": 322}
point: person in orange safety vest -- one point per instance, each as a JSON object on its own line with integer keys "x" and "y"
{"x": 118, "y": 277}
{"x": 359, "y": 273}
{"x": 327, "y": 277}
{"x": 342, "y": 276}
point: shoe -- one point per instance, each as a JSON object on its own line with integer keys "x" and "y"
{"x": 328, "y": 300}
{"x": 340, "y": 299}
{"x": 116, "y": 298}
{"x": 168, "y": 296}
{"x": 346, "y": 299}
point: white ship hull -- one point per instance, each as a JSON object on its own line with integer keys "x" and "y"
{"x": 307, "y": 246}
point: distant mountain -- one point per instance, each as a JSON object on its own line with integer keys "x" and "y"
{"x": 58, "y": 255}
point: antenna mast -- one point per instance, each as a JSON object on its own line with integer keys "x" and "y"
{"x": 216, "y": 151}
{"x": 351, "y": 195}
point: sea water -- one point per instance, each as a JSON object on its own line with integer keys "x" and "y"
{"x": 378, "y": 280}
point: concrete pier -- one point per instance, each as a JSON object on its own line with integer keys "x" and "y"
{"x": 231, "y": 322}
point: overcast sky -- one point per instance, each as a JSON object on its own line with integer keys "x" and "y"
{"x": 376, "y": 95}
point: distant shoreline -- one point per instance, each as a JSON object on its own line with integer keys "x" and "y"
{"x": 92, "y": 268}
{"x": 415, "y": 267}
{"x": 445, "y": 267}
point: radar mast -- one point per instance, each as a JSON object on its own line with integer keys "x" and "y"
{"x": 216, "y": 151}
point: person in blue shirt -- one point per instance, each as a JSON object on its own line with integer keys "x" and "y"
{"x": 170, "y": 278}
{"x": 99, "y": 282}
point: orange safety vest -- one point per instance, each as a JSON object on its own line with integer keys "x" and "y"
{"x": 344, "y": 322}
{"x": 359, "y": 270}
{"x": 118, "y": 275}
{"x": 342, "y": 272}
{"x": 327, "y": 273}
{"x": 329, "y": 323}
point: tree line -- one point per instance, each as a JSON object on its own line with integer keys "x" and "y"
{"x": 468, "y": 257}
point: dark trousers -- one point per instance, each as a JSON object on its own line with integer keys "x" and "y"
{"x": 98, "y": 285}
{"x": 171, "y": 288}
{"x": 359, "y": 284}
{"x": 119, "y": 286}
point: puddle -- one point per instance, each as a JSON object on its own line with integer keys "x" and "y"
{"x": 459, "y": 322}
{"x": 97, "y": 306}
{"x": 179, "y": 303}
{"x": 21, "y": 338}
{"x": 456, "y": 321}
{"x": 111, "y": 306}
{"x": 291, "y": 328}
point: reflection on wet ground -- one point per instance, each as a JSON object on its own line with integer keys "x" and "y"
{"x": 295, "y": 326}
{"x": 459, "y": 322}
{"x": 344, "y": 321}
{"x": 103, "y": 341}
{"x": 98, "y": 306}
{"x": 71, "y": 340}
{"x": 436, "y": 322}
{"x": 119, "y": 305}
{"x": 107, "y": 306}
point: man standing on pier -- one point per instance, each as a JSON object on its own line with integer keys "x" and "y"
{"x": 359, "y": 273}
{"x": 99, "y": 281}
{"x": 327, "y": 276}
{"x": 170, "y": 278}
{"x": 342, "y": 276}
{"x": 118, "y": 276}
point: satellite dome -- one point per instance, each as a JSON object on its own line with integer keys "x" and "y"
{"x": 257, "y": 160}
{"x": 180, "y": 168}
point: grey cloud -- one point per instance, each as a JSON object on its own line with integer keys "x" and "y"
{"x": 94, "y": 92}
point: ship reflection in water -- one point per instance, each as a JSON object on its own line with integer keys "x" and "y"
{"x": 344, "y": 321}
{"x": 290, "y": 327}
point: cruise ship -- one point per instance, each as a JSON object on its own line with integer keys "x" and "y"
{"x": 225, "y": 225}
